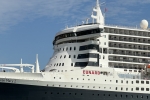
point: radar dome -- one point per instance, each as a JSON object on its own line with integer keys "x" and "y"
{"x": 144, "y": 24}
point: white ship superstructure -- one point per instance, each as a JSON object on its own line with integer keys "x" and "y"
{"x": 92, "y": 61}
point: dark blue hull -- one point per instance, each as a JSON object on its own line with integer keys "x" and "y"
{"x": 28, "y": 92}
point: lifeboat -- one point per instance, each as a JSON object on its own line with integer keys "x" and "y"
{"x": 148, "y": 66}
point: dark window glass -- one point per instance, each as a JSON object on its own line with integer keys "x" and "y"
{"x": 147, "y": 82}
{"x": 142, "y": 82}
{"x": 62, "y": 64}
{"x": 84, "y": 64}
{"x": 87, "y": 47}
{"x": 137, "y": 88}
{"x": 71, "y": 64}
{"x": 147, "y": 89}
{"x": 74, "y": 48}
{"x": 74, "y": 56}
{"x": 69, "y": 56}
{"x": 142, "y": 89}
{"x": 87, "y": 55}
{"x": 70, "y": 48}
{"x": 137, "y": 81}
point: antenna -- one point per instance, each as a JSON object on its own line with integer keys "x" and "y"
{"x": 87, "y": 20}
{"x": 21, "y": 67}
{"x": 37, "y": 64}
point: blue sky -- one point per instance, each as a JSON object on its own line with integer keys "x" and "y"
{"x": 28, "y": 27}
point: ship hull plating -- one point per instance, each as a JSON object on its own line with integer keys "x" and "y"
{"x": 28, "y": 92}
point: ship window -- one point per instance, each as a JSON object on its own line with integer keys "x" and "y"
{"x": 66, "y": 48}
{"x": 142, "y": 82}
{"x": 64, "y": 56}
{"x": 147, "y": 82}
{"x": 69, "y": 56}
{"x": 121, "y": 88}
{"x": 62, "y": 64}
{"x": 126, "y": 89}
{"x": 70, "y": 48}
{"x": 121, "y": 81}
{"x": 59, "y": 64}
{"x": 90, "y": 46}
{"x": 71, "y": 64}
{"x": 116, "y": 88}
{"x": 147, "y": 89}
{"x": 131, "y": 89}
{"x": 116, "y": 81}
{"x": 137, "y": 88}
{"x": 127, "y": 82}
{"x": 84, "y": 64}
{"x": 87, "y": 55}
{"x": 137, "y": 81}
{"x": 142, "y": 89}
{"x": 74, "y": 48}
{"x": 132, "y": 82}
{"x": 60, "y": 56}
{"x": 74, "y": 56}
{"x": 103, "y": 57}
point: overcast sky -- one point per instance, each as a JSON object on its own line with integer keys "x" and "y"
{"x": 28, "y": 27}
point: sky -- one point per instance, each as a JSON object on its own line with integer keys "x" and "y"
{"x": 28, "y": 27}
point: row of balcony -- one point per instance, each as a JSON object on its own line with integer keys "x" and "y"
{"x": 127, "y": 32}
{"x": 129, "y": 39}
{"x": 129, "y": 53}
{"x": 129, "y": 59}
{"x": 129, "y": 46}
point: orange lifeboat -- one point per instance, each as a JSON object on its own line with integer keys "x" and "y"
{"x": 148, "y": 66}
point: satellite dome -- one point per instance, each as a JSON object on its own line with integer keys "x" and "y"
{"x": 144, "y": 24}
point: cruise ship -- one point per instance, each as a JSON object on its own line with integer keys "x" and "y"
{"x": 91, "y": 61}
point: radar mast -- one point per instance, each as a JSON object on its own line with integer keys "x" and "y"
{"x": 99, "y": 16}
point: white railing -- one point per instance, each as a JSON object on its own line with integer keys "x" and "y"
{"x": 131, "y": 27}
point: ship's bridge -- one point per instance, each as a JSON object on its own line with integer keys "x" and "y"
{"x": 78, "y": 33}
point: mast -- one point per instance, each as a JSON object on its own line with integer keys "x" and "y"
{"x": 99, "y": 16}
{"x": 37, "y": 65}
